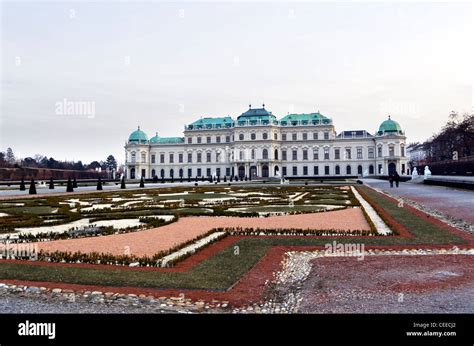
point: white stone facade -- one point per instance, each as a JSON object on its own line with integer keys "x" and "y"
{"x": 263, "y": 149}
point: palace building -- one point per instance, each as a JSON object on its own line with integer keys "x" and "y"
{"x": 259, "y": 145}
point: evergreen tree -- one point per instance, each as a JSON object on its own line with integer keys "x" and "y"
{"x": 111, "y": 163}
{"x": 99, "y": 184}
{"x": 250, "y": 177}
{"x": 218, "y": 178}
{"x": 122, "y": 184}
{"x": 32, "y": 187}
{"x": 155, "y": 179}
{"x": 225, "y": 178}
{"x": 202, "y": 178}
{"x": 22, "y": 185}
{"x": 51, "y": 183}
{"x": 69, "y": 187}
{"x": 231, "y": 178}
{"x": 74, "y": 183}
{"x": 181, "y": 179}
{"x": 142, "y": 182}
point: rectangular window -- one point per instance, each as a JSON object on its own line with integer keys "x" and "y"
{"x": 283, "y": 136}
{"x": 305, "y": 136}
{"x": 305, "y": 170}
{"x": 153, "y": 158}
{"x": 348, "y": 154}
{"x": 326, "y": 170}
{"x": 162, "y": 158}
{"x": 380, "y": 169}
{"x": 190, "y": 172}
{"x": 218, "y": 157}
{"x": 379, "y": 151}
{"x": 171, "y": 158}
{"x": 295, "y": 170}
{"x": 199, "y": 140}
{"x": 283, "y": 155}
{"x": 294, "y": 155}
{"x": 208, "y": 172}
{"x": 208, "y": 157}
{"x": 218, "y": 172}
{"x": 199, "y": 157}
{"x": 315, "y": 154}
{"x": 294, "y": 136}
{"x": 326, "y": 153}
{"x": 180, "y": 158}
{"x": 227, "y": 139}
{"x": 359, "y": 153}
{"x": 190, "y": 140}
{"x": 337, "y": 154}
{"x": 316, "y": 170}
{"x": 190, "y": 157}
{"x": 218, "y": 139}
{"x": 305, "y": 154}
{"x": 227, "y": 171}
{"x": 284, "y": 171}
{"x": 315, "y": 135}
{"x": 371, "y": 153}
{"x": 326, "y": 135}
{"x": 199, "y": 172}
{"x": 208, "y": 140}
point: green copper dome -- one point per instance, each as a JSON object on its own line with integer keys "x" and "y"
{"x": 389, "y": 126}
{"x": 155, "y": 138}
{"x": 138, "y": 136}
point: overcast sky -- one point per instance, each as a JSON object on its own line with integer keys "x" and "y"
{"x": 162, "y": 65}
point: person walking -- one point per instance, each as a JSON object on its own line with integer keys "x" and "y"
{"x": 396, "y": 177}
{"x": 390, "y": 179}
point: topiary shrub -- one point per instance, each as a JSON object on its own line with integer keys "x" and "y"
{"x": 69, "y": 187}
{"x": 142, "y": 182}
{"x": 51, "y": 183}
{"x": 32, "y": 190}
{"x": 99, "y": 184}
{"x": 122, "y": 184}
{"x": 22, "y": 185}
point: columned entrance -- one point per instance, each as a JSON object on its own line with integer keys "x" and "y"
{"x": 276, "y": 171}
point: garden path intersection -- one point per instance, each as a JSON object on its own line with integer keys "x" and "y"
{"x": 247, "y": 248}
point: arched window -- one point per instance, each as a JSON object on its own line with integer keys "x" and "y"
{"x": 348, "y": 170}
{"x": 253, "y": 136}
{"x": 359, "y": 170}
{"x": 371, "y": 169}
{"x": 265, "y": 154}
{"x": 402, "y": 150}
{"x": 180, "y": 172}
{"x": 162, "y": 173}
{"x": 275, "y": 136}
{"x": 241, "y": 155}
{"x": 276, "y": 154}
{"x": 241, "y": 137}
{"x": 265, "y": 135}
{"x": 338, "y": 170}
{"x": 134, "y": 157}
{"x": 153, "y": 173}
{"x": 143, "y": 157}
{"x": 171, "y": 172}
{"x": 391, "y": 150}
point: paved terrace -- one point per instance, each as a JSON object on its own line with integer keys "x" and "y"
{"x": 458, "y": 203}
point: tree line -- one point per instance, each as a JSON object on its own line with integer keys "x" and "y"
{"x": 8, "y": 160}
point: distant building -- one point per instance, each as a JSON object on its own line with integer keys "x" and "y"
{"x": 259, "y": 145}
{"x": 416, "y": 155}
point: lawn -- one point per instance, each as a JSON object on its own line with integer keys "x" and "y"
{"x": 223, "y": 269}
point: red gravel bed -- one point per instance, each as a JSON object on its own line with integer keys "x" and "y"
{"x": 151, "y": 241}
